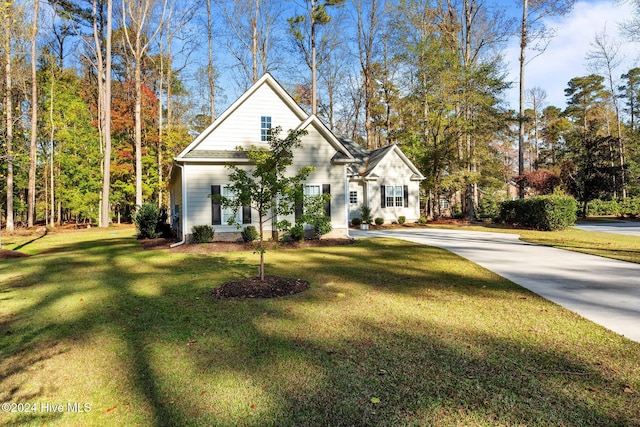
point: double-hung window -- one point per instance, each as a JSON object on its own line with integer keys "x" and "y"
{"x": 227, "y": 213}
{"x": 312, "y": 190}
{"x": 265, "y": 128}
{"x": 394, "y": 196}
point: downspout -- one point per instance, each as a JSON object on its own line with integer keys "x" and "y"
{"x": 183, "y": 214}
{"x": 346, "y": 197}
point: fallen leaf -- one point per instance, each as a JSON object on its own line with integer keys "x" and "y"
{"x": 375, "y": 400}
{"x": 253, "y": 406}
{"x": 203, "y": 393}
{"x": 628, "y": 389}
{"x": 110, "y": 410}
{"x": 81, "y": 299}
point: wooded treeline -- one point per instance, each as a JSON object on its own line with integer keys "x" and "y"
{"x": 99, "y": 95}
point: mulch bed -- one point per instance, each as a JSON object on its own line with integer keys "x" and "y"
{"x": 253, "y": 287}
{"x": 5, "y": 254}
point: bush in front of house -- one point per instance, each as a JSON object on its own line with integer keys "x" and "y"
{"x": 379, "y": 221}
{"x": 296, "y": 232}
{"x": 202, "y": 233}
{"x": 422, "y": 220}
{"x": 146, "y": 221}
{"x": 555, "y": 212}
{"x": 402, "y": 219}
{"x": 365, "y": 213}
{"x": 356, "y": 222}
{"x": 250, "y": 233}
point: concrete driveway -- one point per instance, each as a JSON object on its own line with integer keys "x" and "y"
{"x": 618, "y": 227}
{"x": 602, "y": 290}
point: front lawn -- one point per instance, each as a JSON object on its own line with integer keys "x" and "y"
{"x": 390, "y": 333}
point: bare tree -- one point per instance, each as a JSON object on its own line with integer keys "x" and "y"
{"x": 137, "y": 25}
{"x": 604, "y": 58}
{"x": 536, "y": 97}
{"x": 534, "y": 34}
{"x": 252, "y": 25}
{"x": 368, "y": 26}
{"x": 211, "y": 80}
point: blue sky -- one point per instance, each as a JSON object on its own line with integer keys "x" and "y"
{"x": 565, "y": 56}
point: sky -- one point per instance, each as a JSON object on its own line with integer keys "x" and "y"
{"x": 564, "y": 58}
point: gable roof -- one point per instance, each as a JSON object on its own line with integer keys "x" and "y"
{"x": 191, "y": 152}
{"x": 265, "y": 79}
{"x": 366, "y": 161}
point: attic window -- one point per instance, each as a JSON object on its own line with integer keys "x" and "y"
{"x": 265, "y": 128}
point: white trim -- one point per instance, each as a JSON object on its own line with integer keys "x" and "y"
{"x": 404, "y": 158}
{"x": 329, "y": 137}
{"x": 265, "y": 79}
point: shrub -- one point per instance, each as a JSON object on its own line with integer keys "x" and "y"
{"x": 554, "y": 212}
{"x": 422, "y": 220}
{"x": 356, "y": 222}
{"x": 250, "y": 233}
{"x": 603, "y": 207}
{"x": 379, "y": 221}
{"x": 488, "y": 208}
{"x": 202, "y": 233}
{"x": 321, "y": 225}
{"x": 365, "y": 213}
{"x": 146, "y": 220}
{"x": 402, "y": 219}
{"x": 630, "y": 207}
{"x": 296, "y": 232}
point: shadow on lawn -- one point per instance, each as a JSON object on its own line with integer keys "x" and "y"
{"x": 308, "y": 373}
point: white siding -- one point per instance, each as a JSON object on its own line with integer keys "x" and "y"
{"x": 242, "y": 127}
{"x": 393, "y": 171}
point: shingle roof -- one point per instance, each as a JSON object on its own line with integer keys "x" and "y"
{"x": 216, "y": 154}
{"x": 366, "y": 160}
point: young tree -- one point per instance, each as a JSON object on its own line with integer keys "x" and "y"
{"x": 266, "y": 188}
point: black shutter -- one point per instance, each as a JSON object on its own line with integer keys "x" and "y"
{"x": 326, "y": 189}
{"x": 216, "y": 211}
{"x": 246, "y": 214}
{"x": 383, "y": 197}
{"x": 405, "y": 193}
{"x": 299, "y": 203}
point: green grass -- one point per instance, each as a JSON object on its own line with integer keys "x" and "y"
{"x": 616, "y": 246}
{"x": 390, "y": 333}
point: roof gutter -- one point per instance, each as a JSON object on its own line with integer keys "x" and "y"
{"x": 183, "y": 216}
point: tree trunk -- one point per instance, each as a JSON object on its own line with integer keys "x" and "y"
{"x": 105, "y": 105}
{"x": 314, "y": 82}
{"x": 523, "y": 46}
{"x": 138, "y": 122}
{"x": 210, "y": 75}
{"x": 31, "y": 197}
{"x": 9, "y": 114}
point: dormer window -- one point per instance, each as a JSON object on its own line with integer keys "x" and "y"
{"x": 265, "y": 128}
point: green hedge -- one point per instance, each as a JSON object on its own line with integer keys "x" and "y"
{"x": 629, "y": 207}
{"x": 540, "y": 213}
{"x": 603, "y": 207}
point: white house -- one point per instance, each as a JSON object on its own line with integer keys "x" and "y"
{"x": 200, "y": 169}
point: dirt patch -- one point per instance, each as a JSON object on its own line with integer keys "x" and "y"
{"x": 253, "y": 287}
{"x": 5, "y": 254}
